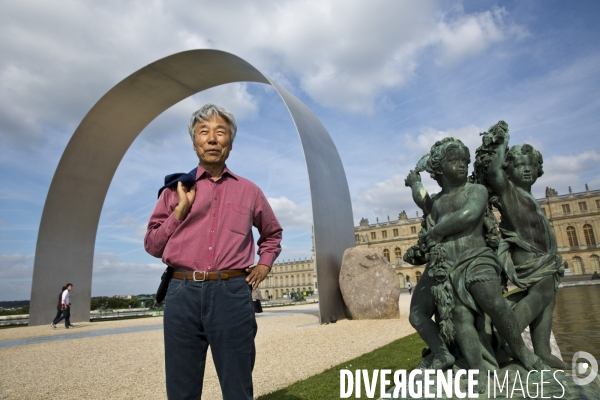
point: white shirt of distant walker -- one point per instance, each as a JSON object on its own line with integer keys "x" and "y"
{"x": 65, "y": 296}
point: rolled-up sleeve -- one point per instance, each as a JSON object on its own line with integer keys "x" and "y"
{"x": 269, "y": 242}
{"x": 161, "y": 226}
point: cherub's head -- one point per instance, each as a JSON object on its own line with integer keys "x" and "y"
{"x": 448, "y": 157}
{"x": 523, "y": 165}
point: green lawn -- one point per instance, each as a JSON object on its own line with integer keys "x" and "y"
{"x": 403, "y": 353}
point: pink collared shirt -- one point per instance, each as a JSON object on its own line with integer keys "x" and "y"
{"x": 216, "y": 234}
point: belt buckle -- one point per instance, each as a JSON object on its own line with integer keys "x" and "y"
{"x": 199, "y": 280}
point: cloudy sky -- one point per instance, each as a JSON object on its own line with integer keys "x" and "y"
{"x": 386, "y": 78}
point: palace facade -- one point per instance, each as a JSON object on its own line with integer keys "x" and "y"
{"x": 393, "y": 238}
{"x": 574, "y": 218}
{"x": 289, "y": 276}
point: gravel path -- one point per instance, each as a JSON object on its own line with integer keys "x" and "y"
{"x": 290, "y": 347}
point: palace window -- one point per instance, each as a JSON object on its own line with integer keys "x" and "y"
{"x": 417, "y": 276}
{"x": 356, "y": 238}
{"x": 588, "y": 232}
{"x": 544, "y": 211}
{"x": 373, "y": 235}
{"x": 595, "y": 263}
{"x": 583, "y": 206}
{"x": 395, "y": 232}
{"x": 386, "y": 254}
{"x": 566, "y": 208}
{"x": 384, "y": 234}
{"x": 413, "y": 229}
{"x": 398, "y": 253}
{"x": 598, "y": 204}
{"x": 577, "y": 266}
{"x": 572, "y": 235}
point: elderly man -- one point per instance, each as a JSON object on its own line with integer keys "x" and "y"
{"x": 204, "y": 231}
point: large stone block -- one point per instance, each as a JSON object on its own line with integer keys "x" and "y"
{"x": 369, "y": 285}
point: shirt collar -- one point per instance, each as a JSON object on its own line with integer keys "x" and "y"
{"x": 202, "y": 173}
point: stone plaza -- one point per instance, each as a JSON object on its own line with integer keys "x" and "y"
{"x": 125, "y": 359}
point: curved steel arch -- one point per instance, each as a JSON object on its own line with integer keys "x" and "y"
{"x": 67, "y": 234}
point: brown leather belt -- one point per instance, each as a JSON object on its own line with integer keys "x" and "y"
{"x": 200, "y": 276}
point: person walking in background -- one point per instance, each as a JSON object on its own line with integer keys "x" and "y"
{"x": 256, "y": 298}
{"x": 409, "y": 287}
{"x": 64, "y": 307}
{"x": 59, "y": 313}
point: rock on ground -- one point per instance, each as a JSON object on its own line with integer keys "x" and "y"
{"x": 369, "y": 285}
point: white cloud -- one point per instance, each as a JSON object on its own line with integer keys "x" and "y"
{"x": 290, "y": 253}
{"x": 336, "y": 74}
{"x": 15, "y": 266}
{"x": 109, "y": 264}
{"x": 290, "y": 215}
{"x": 112, "y": 275}
{"x": 344, "y": 55}
{"x": 16, "y": 271}
{"x": 234, "y": 97}
{"x": 390, "y": 196}
{"x": 572, "y": 163}
{"x": 594, "y": 183}
{"x": 421, "y": 144}
{"x": 136, "y": 226}
{"x": 563, "y": 171}
{"x": 469, "y": 35}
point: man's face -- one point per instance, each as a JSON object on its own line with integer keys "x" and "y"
{"x": 523, "y": 170}
{"x": 69, "y": 287}
{"x": 212, "y": 141}
{"x": 455, "y": 166}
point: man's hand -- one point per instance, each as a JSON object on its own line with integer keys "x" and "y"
{"x": 256, "y": 275}
{"x": 412, "y": 178}
{"x": 186, "y": 199}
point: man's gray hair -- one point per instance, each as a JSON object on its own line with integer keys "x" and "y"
{"x": 210, "y": 110}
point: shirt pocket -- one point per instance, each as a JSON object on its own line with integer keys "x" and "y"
{"x": 238, "y": 219}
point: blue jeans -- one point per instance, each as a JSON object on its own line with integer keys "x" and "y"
{"x": 218, "y": 314}
{"x": 66, "y": 315}
{"x": 58, "y": 317}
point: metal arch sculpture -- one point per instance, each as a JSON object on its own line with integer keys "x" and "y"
{"x": 67, "y": 233}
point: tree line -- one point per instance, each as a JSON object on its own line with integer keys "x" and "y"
{"x": 15, "y": 311}
{"x": 113, "y": 303}
{"x": 95, "y": 304}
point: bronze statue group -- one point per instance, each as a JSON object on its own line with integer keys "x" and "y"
{"x": 468, "y": 264}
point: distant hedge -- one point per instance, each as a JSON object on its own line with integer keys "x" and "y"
{"x": 114, "y": 303}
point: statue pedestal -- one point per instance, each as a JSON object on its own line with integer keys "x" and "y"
{"x": 518, "y": 385}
